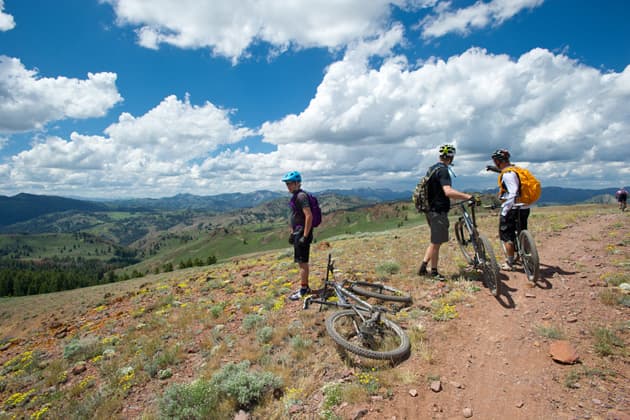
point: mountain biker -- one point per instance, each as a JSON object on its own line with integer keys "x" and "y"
{"x": 440, "y": 192}
{"x": 300, "y": 221}
{"x": 510, "y": 185}
{"x": 622, "y": 196}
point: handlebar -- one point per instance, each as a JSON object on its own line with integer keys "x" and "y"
{"x": 473, "y": 202}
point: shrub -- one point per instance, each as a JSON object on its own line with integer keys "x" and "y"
{"x": 244, "y": 386}
{"x": 389, "y": 267}
{"x": 216, "y": 310}
{"x": 161, "y": 360}
{"x": 550, "y": 332}
{"x": 332, "y": 395}
{"x": 299, "y": 343}
{"x": 615, "y": 279}
{"x": 197, "y": 400}
{"x": 82, "y": 349}
{"x": 264, "y": 335}
{"x": 252, "y": 321}
{"x": 606, "y": 341}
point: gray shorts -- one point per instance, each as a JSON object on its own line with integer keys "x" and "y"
{"x": 438, "y": 222}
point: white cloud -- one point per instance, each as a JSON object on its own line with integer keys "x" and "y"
{"x": 6, "y": 20}
{"x": 477, "y": 16}
{"x": 29, "y": 102}
{"x": 544, "y": 107}
{"x": 178, "y": 130}
{"x": 365, "y": 127}
{"x": 230, "y": 28}
{"x": 153, "y": 154}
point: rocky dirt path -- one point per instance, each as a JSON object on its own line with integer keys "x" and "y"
{"x": 493, "y": 363}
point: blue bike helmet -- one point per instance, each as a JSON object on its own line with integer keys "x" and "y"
{"x": 293, "y": 176}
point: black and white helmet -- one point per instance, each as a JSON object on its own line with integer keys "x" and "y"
{"x": 447, "y": 150}
{"x": 501, "y": 155}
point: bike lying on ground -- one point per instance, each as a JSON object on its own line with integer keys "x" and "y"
{"x": 525, "y": 249}
{"x": 361, "y": 327}
{"x": 476, "y": 248}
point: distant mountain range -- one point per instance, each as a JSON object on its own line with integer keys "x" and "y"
{"x": 23, "y": 206}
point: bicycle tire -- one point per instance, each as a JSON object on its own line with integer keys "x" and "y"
{"x": 464, "y": 240}
{"x": 490, "y": 267}
{"x": 529, "y": 255}
{"x": 350, "y": 319}
{"x": 379, "y": 291}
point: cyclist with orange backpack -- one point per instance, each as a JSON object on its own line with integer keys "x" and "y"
{"x": 516, "y": 185}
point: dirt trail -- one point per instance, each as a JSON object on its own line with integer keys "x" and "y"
{"x": 493, "y": 363}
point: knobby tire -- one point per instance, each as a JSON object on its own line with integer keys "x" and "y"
{"x": 349, "y": 339}
{"x": 490, "y": 267}
{"x": 380, "y": 291}
{"x": 464, "y": 240}
{"x": 529, "y": 255}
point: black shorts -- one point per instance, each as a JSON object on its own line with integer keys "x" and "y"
{"x": 507, "y": 224}
{"x": 302, "y": 252}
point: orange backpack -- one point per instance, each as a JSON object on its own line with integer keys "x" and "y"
{"x": 529, "y": 190}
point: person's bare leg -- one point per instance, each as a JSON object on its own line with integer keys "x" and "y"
{"x": 432, "y": 255}
{"x": 304, "y": 271}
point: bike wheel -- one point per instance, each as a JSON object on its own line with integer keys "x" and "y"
{"x": 464, "y": 240}
{"x": 379, "y": 291}
{"x": 382, "y": 340}
{"x": 529, "y": 255}
{"x": 489, "y": 266}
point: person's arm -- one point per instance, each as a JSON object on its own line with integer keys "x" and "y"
{"x": 452, "y": 193}
{"x": 308, "y": 221}
{"x": 510, "y": 179}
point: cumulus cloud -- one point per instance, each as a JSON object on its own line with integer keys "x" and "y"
{"x": 544, "y": 107}
{"x": 366, "y": 126}
{"x": 6, "y": 20}
{"x": 29, "y": 102}
{"x": 153, "y": 154}
{"x": 178, "y": 130}
{"x": 230, "y": 28}
{"x": 479, "y": 15}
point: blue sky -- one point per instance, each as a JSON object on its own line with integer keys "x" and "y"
{"x": 138, "y": 98}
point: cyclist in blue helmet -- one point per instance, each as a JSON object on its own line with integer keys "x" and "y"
{"x": 293, "y": 176}
{"x": 440, "y": 192}
{"x": 301, "y": 224}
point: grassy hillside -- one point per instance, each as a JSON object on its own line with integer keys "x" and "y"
{"x": 215, "y": 340}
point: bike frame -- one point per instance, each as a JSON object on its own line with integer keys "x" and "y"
{"x": 470, "y": 221}
{"x": 346, "y": 299}
{"x": 518, "y": 231}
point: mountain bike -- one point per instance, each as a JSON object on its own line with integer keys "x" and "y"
{"x": 525, "y": 249}
{"x": 360, "y": 327}
{"x": 476, "y": 248}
